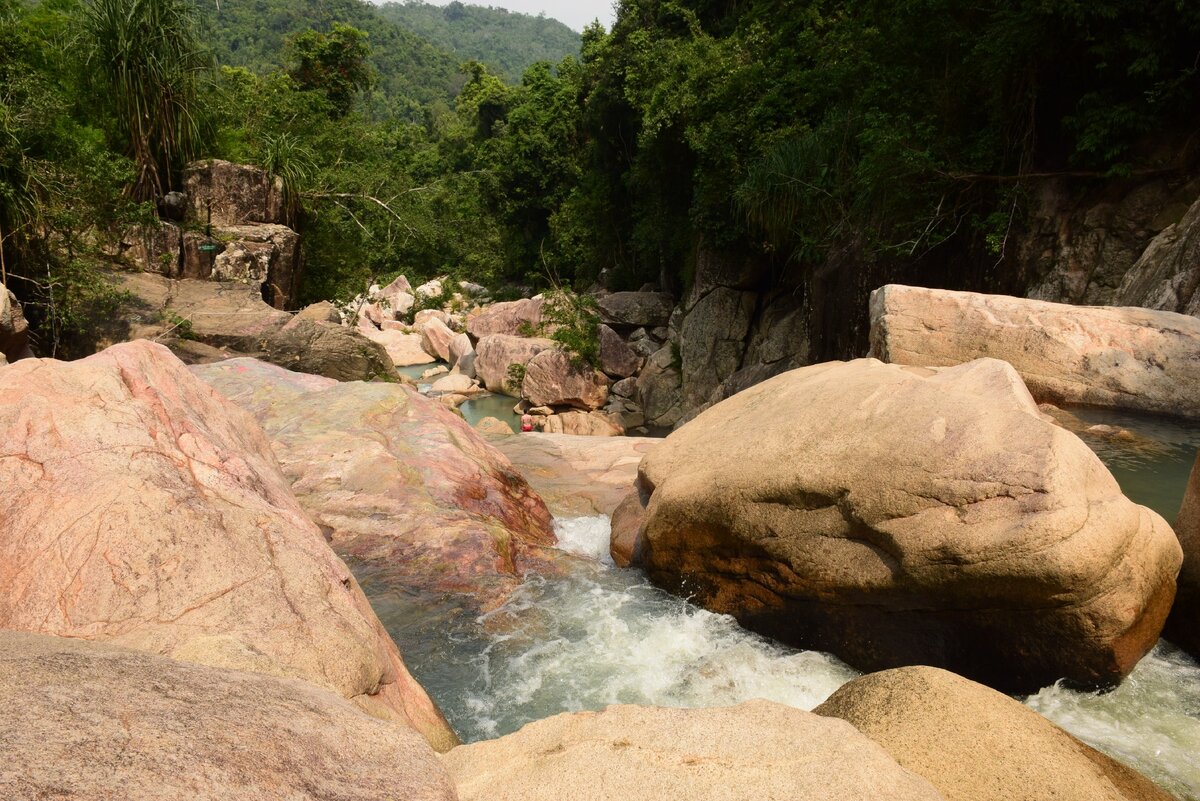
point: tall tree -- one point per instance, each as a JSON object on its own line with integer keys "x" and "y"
{"x": 146, "y": 57}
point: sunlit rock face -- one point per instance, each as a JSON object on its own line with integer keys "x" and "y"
{"x": 897, "y": 516}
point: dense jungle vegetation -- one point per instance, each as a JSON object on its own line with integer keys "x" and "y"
{"x": 794, "y": 132}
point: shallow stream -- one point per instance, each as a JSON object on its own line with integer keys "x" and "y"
{"x": 605, "y": 635}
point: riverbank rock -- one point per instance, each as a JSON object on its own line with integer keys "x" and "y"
{"x": 616, "y": 358}
{"x": 578, "y": 476}
{"x": 142, "y": 508}
{"x": 462, "y": 355}
{"x": 91, "y": 721}
{"x": 899, "y": 516}
{"x": 636, "y": 309}
{"x": 1168, "y": 273}
{"x": 1183, "y": 626}
{"x": 495, "y": 356}
{"x": 405, "y": 350}
{"x": 14, "y": 330}
{"x": 754, "y": 751}
{"x": 975, "y": 744}
{"x": 553, "y": 379}
{"x": 513, "y": 318}
{"x": 1122, "y": 358}
{"x": 659, "y": 390}
{"x": 435, "y": 337}
{"x": 403, "y": 488}
{"x": 578, "y": 424}
{"x": 329, "y": 350}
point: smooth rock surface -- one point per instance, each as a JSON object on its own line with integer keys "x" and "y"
{"x": 975, "y": 744}
{"x": 404, "y": 349}
{"x": 513, "y": 318}
{"x": 329, "y": 350}
{"x": 403, "y": 488}
{"x": 752, "y": 752}
{"x": 495, "y": 355}
{"x": 552, "y": 378}
{"x": 142, "y": 508}
{"x": 1122, "y": 358}
{"x": 660, "y": 390}
{"x": 579, "y": 424}
{"x": 578, "y": 476}
{"x": 82, "y": 720}
{"x": 435, "y": 338}
{"x": 897, "y": 516}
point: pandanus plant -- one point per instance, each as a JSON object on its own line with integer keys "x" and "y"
{"x": 146, "y": 56}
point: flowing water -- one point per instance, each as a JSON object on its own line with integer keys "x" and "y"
{"x": 605, "y": 635}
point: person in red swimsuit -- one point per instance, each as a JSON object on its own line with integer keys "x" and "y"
{"x": 526, "y": 422}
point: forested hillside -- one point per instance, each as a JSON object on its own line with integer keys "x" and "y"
{"x": 507, "y": 41}
{"x": 807, "y": 142}
{"x": 253, "y": 34}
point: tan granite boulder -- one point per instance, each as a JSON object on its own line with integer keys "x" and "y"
{"x": 577, "y": 476}
{"x": 757, "y": 750}
{"x": 553, "y": 378}
{"x": 975, "y": 744}
{"x": 403, "y": 488}
{"x": 496, "y": 355}
{"x": 85, "y": 720}
{"x": 143, "y": 509}
{"x": 515, "y": 318}
{"x": 1123, "y": 358}
{"x": 899, "y": 516}
{"x": 404, "y": 349}
{"x": 435, "y": 338}
{"x": 330, "y": 350}
{"x": 616, "y": 358}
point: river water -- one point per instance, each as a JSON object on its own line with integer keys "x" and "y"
{"x": 605, "y": 635}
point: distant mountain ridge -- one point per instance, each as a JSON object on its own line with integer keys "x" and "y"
{"x": 505, "y": 40}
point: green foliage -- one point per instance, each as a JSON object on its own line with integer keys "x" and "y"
{"x": 515, "y": 378}
{"x": 574, "y": 321}
{"x": 147, "y": 63}
{"x": 333, "y": 63}
{"x": 507, "y": 42}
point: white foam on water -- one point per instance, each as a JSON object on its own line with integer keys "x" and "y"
{"x": 606, "y": 636}
{"x": 1151, "y": 722}
{"x": 585, "y": 536}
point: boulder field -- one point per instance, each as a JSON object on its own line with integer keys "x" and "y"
{"x": 142, "y": 508}
{"x": 87, "y": 720}
{"x": 896, "y": 515}
{"x": 975, "y": 744}
{"x": 401, "y": 486}
{"x": 757, "y": 750}
{"x": 1123, "y": 358}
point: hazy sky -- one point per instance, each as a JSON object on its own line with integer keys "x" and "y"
{"x": 576, "y": 13}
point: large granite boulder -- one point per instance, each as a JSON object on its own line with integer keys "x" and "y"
{"x": 14, "y": 330}
{"x": 495, "y": 355}
{"x": 898, "y": 516}
{"x": 90, "y": 721}
{"x": 224, "y": 315}
{"x": 975, "y": 744}
{"x": 758, "y": 750}
{"x": 403, "y": 488}
{"x": 636, "y": 309}
{"x": 330, "y": 350}
{"x": 266, "y": 257}
{"x": 1123, "y": 358}
{"x": 659, "y": 389}
{"x": 575, "y": 476}
{"x": 580, "y": 424}
{"x": 436, "y": 337}
{"x": 513, "y": 318}
{"x": 1183, "y": 626}
{"x": 405, "y": 350}
{"x": 142, "y": 508}
{"x": 462, "y": 355}
{"x": 617, "y": 359}
{"x": 1168, "y": 273}
{"x": 553, "y": 378}
{"x": 222, "y": 193}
